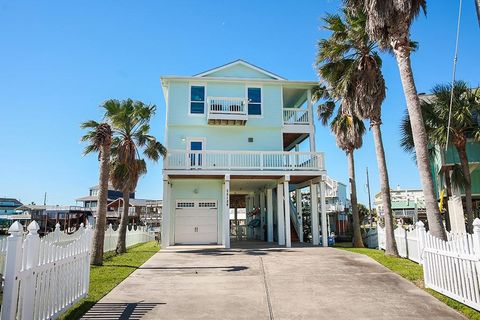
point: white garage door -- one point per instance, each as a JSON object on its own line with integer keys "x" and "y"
{"x": 196, "y": 222}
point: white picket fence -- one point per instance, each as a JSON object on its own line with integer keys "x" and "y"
{"x": 450, "y": 267}
{"x": 45, "y": 276}
{"x": 43, "y": 279}
{"x": 134, "y": 236}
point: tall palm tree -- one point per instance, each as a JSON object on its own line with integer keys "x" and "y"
{"x": 348, "y": 130}
{"x": 100, "y": 139}
{"x": 464, "y": 125}
{"x": 388, "y": 22}
{"x": 130, "y": 124}
{"x": 349, "y": 62}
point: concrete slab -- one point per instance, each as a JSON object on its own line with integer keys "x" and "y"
{"x": 255, "y": 282}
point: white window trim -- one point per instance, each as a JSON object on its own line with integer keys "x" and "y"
{"x": 203, "y": 140}
{"x": 197, "y": 84}
{"x": 249, "y": 85}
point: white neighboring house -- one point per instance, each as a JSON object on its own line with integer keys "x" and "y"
{"x": 407, "y": 204}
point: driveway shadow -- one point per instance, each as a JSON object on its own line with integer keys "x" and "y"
{"x": 120, "y": 311}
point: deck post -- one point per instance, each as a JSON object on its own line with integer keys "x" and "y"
{"x": 280, "y": 215}
{"x": 226, "y": 212}
{"x": 323, "y": 208}
{"x": 286, "y": 197}
{"x": 262, "y": 215}
{"x": 270, "y": 215}
{"x": 311, "y": 135}
{"x": 298, "y": 197}
{"x": 314, "y": 213}
{"x": 165, "y": 236}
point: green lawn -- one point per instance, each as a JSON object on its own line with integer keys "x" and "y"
{"x": 115, "y": 268}
{"x": 414, "y": 273}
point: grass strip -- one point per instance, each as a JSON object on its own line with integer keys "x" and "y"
{"x": 114, "y": 270}
{"x": 413, "y": 272}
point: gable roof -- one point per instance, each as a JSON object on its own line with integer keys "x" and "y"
{"x": 240, "y": 62}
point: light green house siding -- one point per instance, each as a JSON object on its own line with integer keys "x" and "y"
{"x": 266, "y": 130}
{"x": 451, "y": 157}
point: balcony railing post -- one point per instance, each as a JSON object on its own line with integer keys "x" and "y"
{"x": 261, "y": 161}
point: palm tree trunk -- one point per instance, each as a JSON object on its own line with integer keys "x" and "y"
{"x": 122, "y": 229}
{"x": 391, "y": 245}
{"x": 99, "y": 234}
{"x": 462, "y": 153}
{"x": 402, "y": 54}
{"x": 357, "y": 234}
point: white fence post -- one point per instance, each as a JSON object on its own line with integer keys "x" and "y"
{"x": 12, "y": 266}
{"x": 57, "y": 233}
{"x": 32, "y": 245}
{"x": 86, "y": 271}
{"x": 421, "y": 240}
{"x": 476, "y": 243}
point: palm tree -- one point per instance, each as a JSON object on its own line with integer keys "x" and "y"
{"x": 349, "y": 62}
{"x": 348, "y": 130}
{"x": 464, "y": 125}
{"x": 130, "y": 124}
{"x": 100, "y": 140}
{"x": 388, "y": 22}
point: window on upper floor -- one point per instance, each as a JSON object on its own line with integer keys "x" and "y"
{"x": 197, "y": 99}
{"x": 254, "y": 101}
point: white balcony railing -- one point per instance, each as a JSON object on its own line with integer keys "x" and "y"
{"x": 118, "y": 213}
{"x": 296, "y": 116}
{"x": 244, "y": 160}
{"x": 227, "y": 108}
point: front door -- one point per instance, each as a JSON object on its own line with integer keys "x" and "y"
{"x": 195, "y": 146}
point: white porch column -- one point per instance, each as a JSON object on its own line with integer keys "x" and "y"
{"x": 262, "y": 215}
{"x": 323, "y": 209}
{"x": 298, "y": 197}
{"x": 280, "y": 216}
{"x": 286, "y": 197}
{"x": 311, "y": 135}
{"x": 314, "y": 213}
{"x": 165, "y": 236}
{"x": 270, "y": 215}
{"x": 226, "y": 212}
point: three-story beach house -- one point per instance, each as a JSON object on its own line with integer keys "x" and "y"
{"x": 233, "y": 135}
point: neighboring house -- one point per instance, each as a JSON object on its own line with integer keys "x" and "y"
{"x": 47, "y": 216}
{"x": 407, "y": 204}
{"x": 8, "y": 207}
{"x": 441, "y": 162}
{"x": 91, "y": 201}
{"x": 142, "y": 211}
{"x": 237, "y": 131}
{"x": 338, "y": 208}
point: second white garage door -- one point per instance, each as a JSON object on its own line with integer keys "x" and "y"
{"x": 196, "y": 222}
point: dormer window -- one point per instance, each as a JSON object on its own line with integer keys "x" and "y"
{"x": 254, "y": 101}
{"x": 197, "y": 99}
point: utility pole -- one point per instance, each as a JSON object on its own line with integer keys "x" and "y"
{"x": 45, "y": 199}
{"x": 369, "y": 201}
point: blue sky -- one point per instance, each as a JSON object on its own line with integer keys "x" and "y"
{"x": 61, "y": 59}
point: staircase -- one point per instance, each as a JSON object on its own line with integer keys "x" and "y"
{"x": 295, "y": 223}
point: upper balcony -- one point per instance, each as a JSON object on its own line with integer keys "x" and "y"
{"x": 227, "y": 110}
{"x": 209, "y": 160}
{"x": 296, "y": 119}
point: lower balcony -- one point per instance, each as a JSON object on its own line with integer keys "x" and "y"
{"x": 244, "y": 160}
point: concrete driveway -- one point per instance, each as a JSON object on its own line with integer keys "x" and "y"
{"x": 266, "y": 283}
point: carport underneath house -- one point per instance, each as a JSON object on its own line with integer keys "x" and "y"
{"x": 217, "y": 208}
